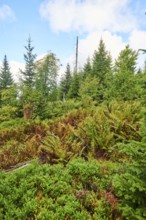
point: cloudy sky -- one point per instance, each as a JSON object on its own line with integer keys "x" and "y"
{"x": 54, "y": 24}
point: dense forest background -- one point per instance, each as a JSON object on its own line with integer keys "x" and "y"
{"x": 73, "y": 149}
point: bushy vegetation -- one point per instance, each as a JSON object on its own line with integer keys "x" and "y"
{"x": 77, "y": 149}
{"x": 80, "y": 190}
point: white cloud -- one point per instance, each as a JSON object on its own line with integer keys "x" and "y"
{"x": 114, "y": 44}
{"x": 41, "y": 56}
{"x": 15, "y": 69}
{"x": 6, "y": 13}
{"x": 137, "y": 40}
{"x": 96, "y": 19}
{"x": 88, "y": 15}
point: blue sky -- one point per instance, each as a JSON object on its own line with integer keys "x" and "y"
{"x": 54, "y": 24}
{"x": 27, "y": 20}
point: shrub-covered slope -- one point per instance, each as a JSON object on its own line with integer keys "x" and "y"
{"x": 80, "y": 190}
{"x": 86, "y": 132}
{"x": 94, "y": 165}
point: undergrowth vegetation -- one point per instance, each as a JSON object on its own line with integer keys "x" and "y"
{"x": 80, "y": 190}
{"x": 94, "y": 132}
{"x": 74, "y": 150}
{"x": 92, "y": 168}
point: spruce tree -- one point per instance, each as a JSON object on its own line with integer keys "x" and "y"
{"x": 28, "y": 74}
{"x": 124, "y": 83}
{"x": 87, "y": 69}
{"x": 65, "y": 82}
{"x": 74, "y": 87}
{"x": 28, "y": 94}
{"x": 102, "y": 62}
{"x": 6, "y": 79}
{"x": 126, "y": 61}
{"x": 102, "y": 69}
{"x": 8, "y": 93}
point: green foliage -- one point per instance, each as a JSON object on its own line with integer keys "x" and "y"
{"x": 141, "y": 78}
{"x": 9, "y": 96}
{"x": 31, "y": 99}
{"x": 65, "y": 83}
{"x": 92, "y": 132}
{"x": 101, "y": 62}
{"x": 124, "y": 83}
{"x": 15, "y": 123}
{"x": 7, "y": 113}
{"x": 47, "y": 69}
{"x": 6, "y": 79}
{"x": 56, "y": 109}
{"x": 27, "y": 93}
{"x": 126, "y": 62}
{"x": 74, "y": 87}
{"x": 87, "y": 69}
{"x": 45, "y": 87}
{"x": 93, "y": 141}
{"x": 102, "y": 69}
{"x": 74, "y": 189}
{"x": 130, "y": 184}
{"x": 124, "y": 87}
{"x": 9, "y": 104}
{"x": 29, "y": 73}
{"x": 89, "y": 89}
{"x": 54, "y": 192}
{"x": 19, "y": 141}
{"x": 130, "y": 189}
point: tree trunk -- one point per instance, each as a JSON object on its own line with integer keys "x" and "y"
{"x": 27, "y": 112}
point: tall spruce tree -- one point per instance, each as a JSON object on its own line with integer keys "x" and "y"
{"x": 6, "y": 79}
{"x": 28, "y": 75}
{"x": 28, "y": 94}
{"x": 102, "y": 62}
{"x": 8, "y": 93}
{"x": 124, "y": 83}
{"x": 102, "y": 69}
{"x": 126, "y": 61}
{"x": 65, "y": 82}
